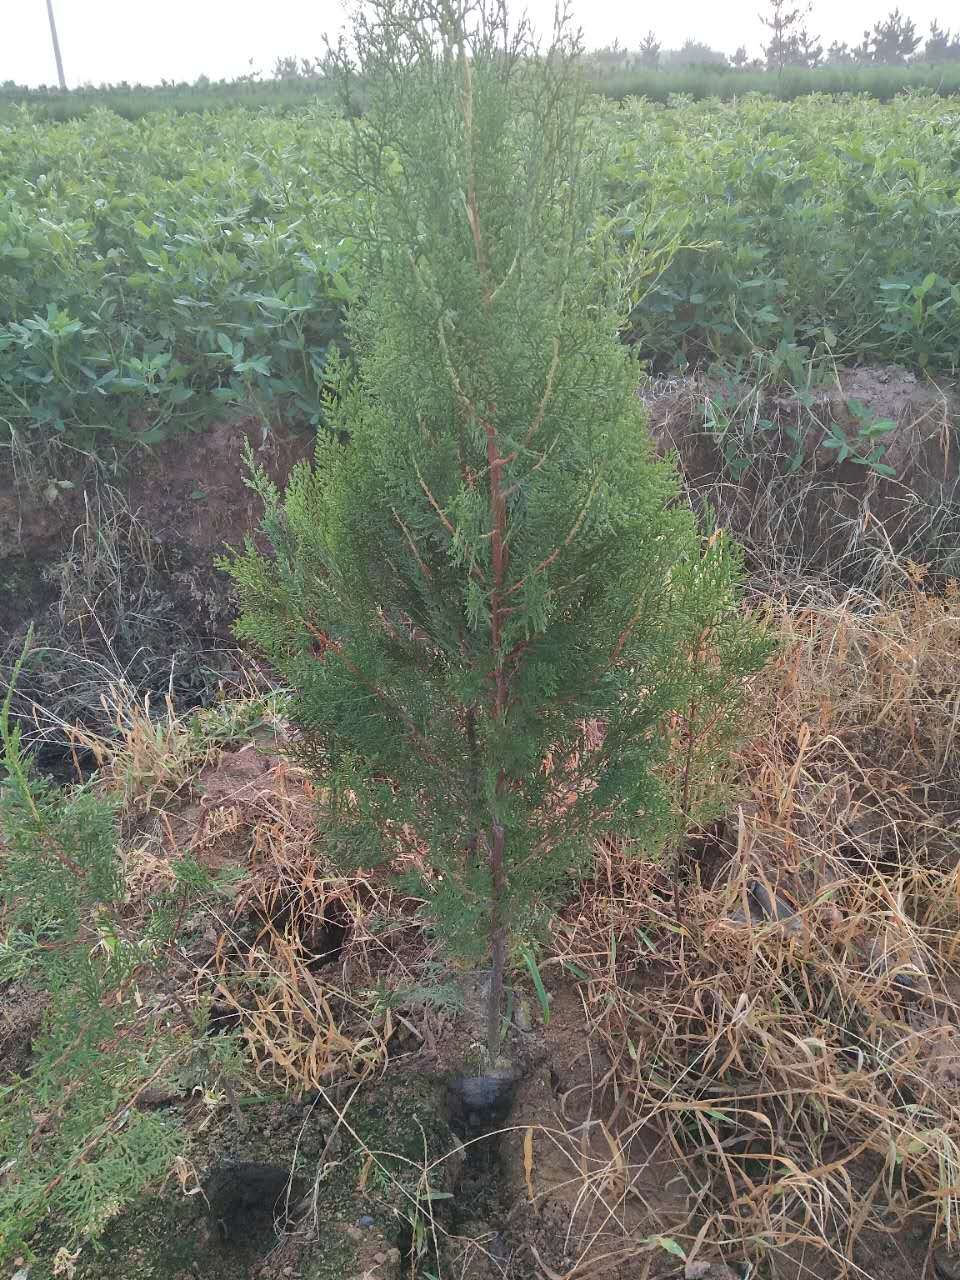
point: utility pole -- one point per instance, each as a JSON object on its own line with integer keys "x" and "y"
{"x": 56, "y": 44}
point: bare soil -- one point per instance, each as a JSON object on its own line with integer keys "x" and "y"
{"x": 574, "y": 1185}
{"x": 117, "y": 577}
{"x": 188, "y": 494}
{"x": 569, "y": 1189}
{"x": 761, "y": 461}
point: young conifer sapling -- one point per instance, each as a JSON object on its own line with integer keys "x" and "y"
{"x": 486, "y": 595}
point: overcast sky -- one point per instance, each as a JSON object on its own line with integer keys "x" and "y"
{"x": 146, "y": 41}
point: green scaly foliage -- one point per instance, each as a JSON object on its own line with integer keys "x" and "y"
{"x": 486, "y": 568}
{"x": 74, "y": 1148}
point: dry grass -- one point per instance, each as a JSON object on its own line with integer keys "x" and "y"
{"x": 796, "y": 1036}
{"x": 106, "y": 578}
{"x": 305, "y": 1025}
{"x": 303, "y": 952}
{"x": 113, "y": 653}
{"x": 143, "y": 755}
{"x": 790, "y": 1046}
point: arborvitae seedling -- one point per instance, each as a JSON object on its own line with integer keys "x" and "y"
{"x": 75, "y": 1148}
{"x": 486, "y": 594}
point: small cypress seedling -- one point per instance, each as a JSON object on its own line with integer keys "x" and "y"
{"x": 75, "y": 1148}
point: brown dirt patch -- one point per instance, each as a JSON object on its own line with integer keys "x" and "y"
{"x": 758, "y": 457}
{"x": 191, "y": 490}
{"x": 117, "y": 577}
{"x": 228, "y": 802}
{"x": 21, "y": 1011}
{"x": 585, "y": 1195}
{"x": 189, "y": 496}
{"x": 192, "y": 499}
{"x": 921, "y": 409}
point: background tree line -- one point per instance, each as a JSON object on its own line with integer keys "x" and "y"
{"x": 789, "y": 42}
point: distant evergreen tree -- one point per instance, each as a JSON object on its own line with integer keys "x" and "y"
{"x": 783, "y": 23}
{"x": 649, "y": 53}
{"x": 892, "y": 42}
{"x": 493, "y": 609}
{"x": 941, "y": 46}
{"x": 840, "y": 55}
{"x": 291, "y": 68}
{"x": 694, "y": 53}
{"x": 809, "y": 49}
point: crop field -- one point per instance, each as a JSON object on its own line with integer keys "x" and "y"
{"x": 154, "y": 271}
{"x": 731, "y": 1049}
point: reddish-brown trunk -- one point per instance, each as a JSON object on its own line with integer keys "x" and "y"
{"x": 495, "y": 839}
{"x": 498, "y": 944}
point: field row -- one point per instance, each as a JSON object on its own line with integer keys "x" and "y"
{"x": 661, "y": 84}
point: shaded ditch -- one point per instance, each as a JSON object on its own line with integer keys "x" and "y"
{"x": 116, "y": 576}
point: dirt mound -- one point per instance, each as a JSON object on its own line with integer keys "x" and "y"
{"x": 191, "y": 491}
{"x": 187, "y": 494}
{"x": 839, "y": 479}
{"x": 117, "y": 578}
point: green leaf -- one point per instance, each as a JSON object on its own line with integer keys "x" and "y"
{"x": 668, "y": 1245}
{"x": 543, "y": 996}
{"x": 881, "y": 428}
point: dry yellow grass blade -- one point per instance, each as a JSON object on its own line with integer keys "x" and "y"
{"x": 528, "y": 1163}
